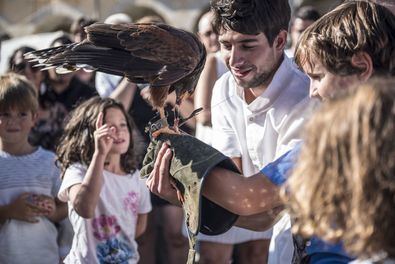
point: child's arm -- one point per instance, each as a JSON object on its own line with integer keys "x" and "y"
{"x": 85, "y": 196}
{"x": 59, "y": 213}
{"x": 21, "y": 209}
{"x": 141, "y": 224}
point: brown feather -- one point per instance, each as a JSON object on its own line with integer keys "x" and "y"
{"x": 165, "y": 57}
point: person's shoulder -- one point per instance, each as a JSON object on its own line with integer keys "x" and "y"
{"x": 294, "y": 84}
{"x": 45, "y": 152}
{"x": 301, "y": 77}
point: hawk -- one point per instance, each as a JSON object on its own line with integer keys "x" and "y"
{"x": 166, "y": 58}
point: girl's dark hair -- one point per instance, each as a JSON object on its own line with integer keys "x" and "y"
{"x": 18, "y": 53}
{"x": 77, "y": 144}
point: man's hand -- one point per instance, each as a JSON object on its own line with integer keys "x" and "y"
{"x": 176, "y": 172}
{"x": 159, "y": 181}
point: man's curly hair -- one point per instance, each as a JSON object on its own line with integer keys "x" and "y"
{"x": 252, "y": 16}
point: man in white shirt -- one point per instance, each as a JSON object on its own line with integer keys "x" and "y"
{"x": 258, "y": 109}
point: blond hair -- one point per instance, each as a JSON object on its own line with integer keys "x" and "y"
{"x": 343, "y": 187}
{"x": 352, "y": 27}
{"x": 16, "y": 92}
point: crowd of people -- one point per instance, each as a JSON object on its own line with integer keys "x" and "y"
{"x": 303, "y": 104}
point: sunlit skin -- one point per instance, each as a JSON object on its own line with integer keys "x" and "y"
{"x": 120, "y": 133}
{"x": 15, "y": 126}
{"x": 251, "y": 59}
{"x": 324, "y": 84}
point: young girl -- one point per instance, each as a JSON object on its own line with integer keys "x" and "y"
{"x": 108, "y": 203}
{"x": 343, "y": 187}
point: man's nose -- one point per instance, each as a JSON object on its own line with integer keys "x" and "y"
{"x": 236, "y": 57}
{"x": 313, "y": 92}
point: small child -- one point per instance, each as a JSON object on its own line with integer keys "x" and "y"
{"x": 108, "y": 203}
{"x": 29, "y": 180}
{"x": 343, "y": 187}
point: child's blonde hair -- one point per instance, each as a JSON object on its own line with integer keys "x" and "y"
{"x": 77, "y": 144}
{"x": 16, "y": 92}
{"x": 352, "y": 27}
{"x": 343, "y": 187}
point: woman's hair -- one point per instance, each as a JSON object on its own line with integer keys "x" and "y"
{"x": 16, "y": 63}
{"x": 62, "y": 40}
{"x": 252, "y": 17}
{"x": 77, "y": 144}
{"x": 352, "y": 27}
{"x": 78, "y": 25}
{"x": 343, "y": 186}
{"x": 16, "y": 92}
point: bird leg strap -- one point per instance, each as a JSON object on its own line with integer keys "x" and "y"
{"x": 155, "y": 125}
{"x": 192, "y": 245}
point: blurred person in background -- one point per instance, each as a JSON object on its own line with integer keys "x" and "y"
{"x": 302, "y": 18}
{"x": 213, "y": 69}
{"x": 78, "y": 34}
{"x": 18, "y": 64}
{"x": 59, "y": 94}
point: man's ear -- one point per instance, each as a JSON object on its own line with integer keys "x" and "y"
{"x": 363, "y": 61}
{"x": 281, "y": 40}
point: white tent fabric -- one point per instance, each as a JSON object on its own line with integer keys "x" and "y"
{"x": 37, "y": 41}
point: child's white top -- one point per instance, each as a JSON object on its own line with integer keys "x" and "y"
{"x": 20, "y": 241}
{"x": 108, "y": 237}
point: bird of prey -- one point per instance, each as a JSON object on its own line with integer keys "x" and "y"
{"x": 160, "y": 55}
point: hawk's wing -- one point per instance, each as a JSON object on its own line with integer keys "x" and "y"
{"x": 173, "y": 50}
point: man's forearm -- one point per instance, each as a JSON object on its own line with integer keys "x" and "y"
{"x": 262, "y": 221}
{"x": 241, "y": 195}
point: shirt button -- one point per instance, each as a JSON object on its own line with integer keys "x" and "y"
{"x": 251, "y": 119}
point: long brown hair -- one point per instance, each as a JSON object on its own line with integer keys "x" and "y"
{"x": 77, "y": 144}
{"x": 343, "y": 187}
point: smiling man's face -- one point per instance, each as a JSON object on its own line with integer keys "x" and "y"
{"x": 250, "y": 58}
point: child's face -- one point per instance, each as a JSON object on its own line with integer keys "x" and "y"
{"x": 116, "y": 120}
{"x": 15, "y": 125}
{"x": 324, "y": 84}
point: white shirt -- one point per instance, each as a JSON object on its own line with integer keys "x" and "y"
{"x": 20, "y": 241}
{"x": 110, "y": 234}
{"x": 106, "y": 83}
{"x": 260, "y": 132}
{"x": 205, "y": 133}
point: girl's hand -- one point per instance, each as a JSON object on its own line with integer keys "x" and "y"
{"x": 24, "y": 208}
{"x": 103, "y": 136}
